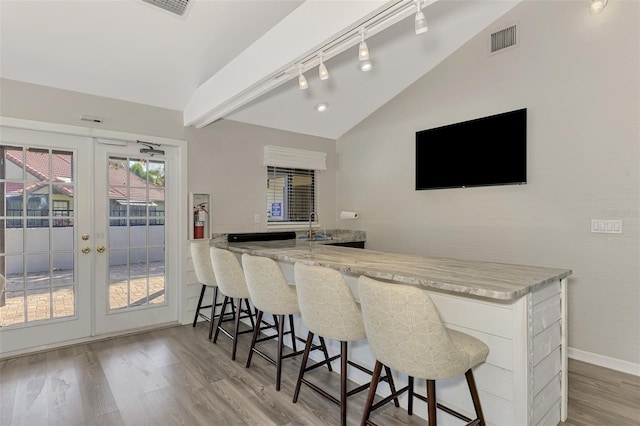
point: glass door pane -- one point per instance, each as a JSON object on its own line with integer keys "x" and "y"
{"x": 136, "y": 200}
{"x": 36, "y": 250}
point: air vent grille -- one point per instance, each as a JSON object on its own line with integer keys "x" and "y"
{"x": 174, "y": 6}
{"x": 503, "y": 39}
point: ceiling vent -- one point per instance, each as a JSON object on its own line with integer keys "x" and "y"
{"x": 503, "y": 39}
{"x": 178, "y": 7}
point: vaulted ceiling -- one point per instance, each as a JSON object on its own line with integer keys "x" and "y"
{"x": 130, "y": 50}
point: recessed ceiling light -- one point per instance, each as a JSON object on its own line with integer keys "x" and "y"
{"x": 597, "y": 6}
{"x": 366, "y": 66}
{"x": 322, "y": 107}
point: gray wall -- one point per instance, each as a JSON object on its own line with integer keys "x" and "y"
{"x": 578, "y": 75}
{"x": 42, "y": 103}
{"x": 225, "y": 160}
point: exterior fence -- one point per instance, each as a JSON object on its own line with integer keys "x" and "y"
{"x": 36, "y": 242}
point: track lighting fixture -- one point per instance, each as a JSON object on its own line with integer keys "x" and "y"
{"x": 397, "y": 11}
{"x": 322, "y": 107}
{"x": 421, "y": 22}
{"x": 323, "y": 72}
{"x": 363, "y": 50}
{"x": 302, "y": 80}
{"x": 597, "y": 6}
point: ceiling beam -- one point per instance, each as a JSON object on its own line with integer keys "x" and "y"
{"x": 267, "y": 63}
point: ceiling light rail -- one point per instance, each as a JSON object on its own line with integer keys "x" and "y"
{"x": 349, "y": 37}
{"x": 391, "y": 15}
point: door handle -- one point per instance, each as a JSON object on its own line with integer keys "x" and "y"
{"x": 86, "y": 250}
{"x": 100, "y": 249}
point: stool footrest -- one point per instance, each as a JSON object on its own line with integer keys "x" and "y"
{"x": 321, "y": 363}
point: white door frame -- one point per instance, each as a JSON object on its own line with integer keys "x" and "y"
{"x": 176, "y": 235}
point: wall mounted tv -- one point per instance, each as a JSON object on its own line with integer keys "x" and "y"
{"x": 482, "y": 152}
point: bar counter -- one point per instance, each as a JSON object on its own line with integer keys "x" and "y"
{"x": 518, "y": 311}
{"x": 491, "y": 280}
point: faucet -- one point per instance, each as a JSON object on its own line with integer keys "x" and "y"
{"x": 311, "y": 216}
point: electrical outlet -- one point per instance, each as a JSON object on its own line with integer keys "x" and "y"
{"x": 256, "y": 218}
{"x": 606, "y": 226}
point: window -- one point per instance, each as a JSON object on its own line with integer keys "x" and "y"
{"x": 290, "y": 194}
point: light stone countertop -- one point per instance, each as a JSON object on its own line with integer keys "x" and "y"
{"x": 498, "y": 281}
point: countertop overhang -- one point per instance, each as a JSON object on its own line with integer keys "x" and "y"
{"x": 492, "y": 280}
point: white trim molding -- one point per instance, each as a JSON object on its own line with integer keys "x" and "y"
{"x": 605, "y": 361}
{"x": 283, "y": 156}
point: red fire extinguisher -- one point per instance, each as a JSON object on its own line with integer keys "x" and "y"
{"x": 199, "y": 218}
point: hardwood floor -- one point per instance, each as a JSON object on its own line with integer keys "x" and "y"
{"x": 176, "y": 376}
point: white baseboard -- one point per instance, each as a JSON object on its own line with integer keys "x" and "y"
{"x": 90, "y": 339}
{"x": 604, "y": 361}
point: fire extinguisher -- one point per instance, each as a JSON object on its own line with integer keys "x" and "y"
{"x": 199, "y": 218}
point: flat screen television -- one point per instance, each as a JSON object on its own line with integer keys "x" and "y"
{"x": 482, "y": 152}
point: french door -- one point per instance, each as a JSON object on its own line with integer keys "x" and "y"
{"x": 45, "y": 210}
{"x": 132, "y": 195}
{"x": 83, "y": 238}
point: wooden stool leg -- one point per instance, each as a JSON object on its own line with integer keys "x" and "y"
{"x": 246, "y": 303}
{"x": 213, "y": 310}
{"x": 195, "y": 318}
{"x": 326, "y": 353}
{"x": 372, "y": 392}
{"x": 224, "y": 307}
{"x": 343, "y": 383}
{"x": 474, "y": 396}
{"x": 256, "y": 331}
{"x": 235, "y": 330}
{"x": 431, "y": 402}
{"x": 279, "y": 356}
{"x": 392, "y": 386}
{"x": 410, "y": 402}
{"x": 303, "y": 366}
{"x": 293, "y": 333}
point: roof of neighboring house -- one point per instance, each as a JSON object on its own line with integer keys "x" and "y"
{"x": 137, "y": 186}
{"x": 60, "y": 172}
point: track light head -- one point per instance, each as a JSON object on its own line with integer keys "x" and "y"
{"x": 421, "y": 22}
{"x": 363, "y": 49}
{"x": 302, "y": 80}
{"x": 323, "y": 72}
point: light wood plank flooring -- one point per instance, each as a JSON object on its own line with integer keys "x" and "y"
{"x": 176, "y": 376}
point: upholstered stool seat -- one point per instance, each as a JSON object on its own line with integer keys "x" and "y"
{"x": 270, "y": 293}
{"x": 233, "y": 286}
{"x": 206, "y": 277}
{"x": 329, "y": 310}
{"x": 406, "y": 334}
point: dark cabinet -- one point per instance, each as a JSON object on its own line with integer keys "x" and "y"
{"x": 353, "y": 244}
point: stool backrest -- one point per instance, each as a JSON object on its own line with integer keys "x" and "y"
{"x": 229, "y": 274}
{"x": 405, "y": 331}
{"x": 202, "y": 263}
{"x": 326, "y": 304}
{"x": 270, "y": 292}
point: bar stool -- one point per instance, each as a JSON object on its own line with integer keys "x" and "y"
{"x": 206, "y": 277}
{"x": 405, "y": 333}
{"x": 233, "y": 286}
{"x": 271, "y": 293}
{"x": 329, "y": 310}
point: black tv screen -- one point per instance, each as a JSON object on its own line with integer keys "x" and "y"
{"x": 482, "y": 152}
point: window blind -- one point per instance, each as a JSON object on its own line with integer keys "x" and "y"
{"x": 283, "y": 156}
{"x": 290, "y": 194}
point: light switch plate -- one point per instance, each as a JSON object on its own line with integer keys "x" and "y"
{"x": 606, "y": 226}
